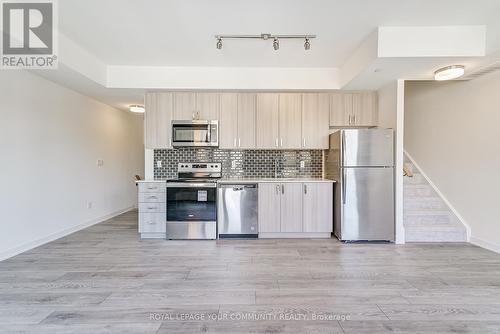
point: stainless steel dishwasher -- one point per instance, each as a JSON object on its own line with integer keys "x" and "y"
{"x": 237, "y": 212}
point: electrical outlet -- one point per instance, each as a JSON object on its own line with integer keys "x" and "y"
{"x": 100, "y": 163}
{"x": 302, "y": 164}
{"x": 89, "y": 205}
{"x": 158, "y": 164}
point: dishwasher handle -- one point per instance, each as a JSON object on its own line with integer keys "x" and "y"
{"x": 238, "y": 187}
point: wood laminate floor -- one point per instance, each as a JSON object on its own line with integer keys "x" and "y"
{"x": 103, "y": 279}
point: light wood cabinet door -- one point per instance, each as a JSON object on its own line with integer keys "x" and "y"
{"x": 269, "y": 207}
{"x": 246, "y": 120}
{"x": 184, "y": 106}
{"x": 315, "y": 126}
{"x": 267, "y": 125}
{"x": 290, "y": 120}
{"x": 367, "y": 113}
{"x": 228, "y": 121}
{"x": 340, "y": 109}
{"x": 291, "y": 207}
{"x": 318, "y": 207}
{"x": 207, "y": 105}
{"x": 158, "y": 120}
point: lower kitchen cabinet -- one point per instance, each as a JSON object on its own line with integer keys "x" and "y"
{"x": 152, "y": 209}
{"x": 269, "y": 207}
{"x": 317, "y": 207}
{"x": 291, "y": 207}
{"x": 295, "y": 210}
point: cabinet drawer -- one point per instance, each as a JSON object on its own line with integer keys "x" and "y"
{"x": 152, "y": 207}
{"x": 153, "y": 187}
{"x": 152, "y": 222}
{"x": 152, "y": 197}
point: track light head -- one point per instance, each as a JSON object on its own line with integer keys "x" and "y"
{"x": 276, "y": 44}
{"x": 307, "y": 44}
{"x": 219, "y": 43}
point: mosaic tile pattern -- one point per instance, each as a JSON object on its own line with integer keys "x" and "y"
{"x": 247, "y": 163}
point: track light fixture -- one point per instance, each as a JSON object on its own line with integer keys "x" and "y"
{"x": 307, "y": 45}
{"x": 267, "y": 36}
{"x": 276, "y": 44}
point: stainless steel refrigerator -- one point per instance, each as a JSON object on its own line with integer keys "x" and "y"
{"x": 362, "y": 163}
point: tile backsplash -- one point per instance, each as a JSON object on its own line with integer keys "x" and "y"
{"x": 247, "y": 163}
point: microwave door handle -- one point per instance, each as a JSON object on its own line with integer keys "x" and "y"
{"x": 209, "y": 132}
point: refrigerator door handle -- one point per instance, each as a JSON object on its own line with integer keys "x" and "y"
{"x": 344, "y": 186}
{"x": 342, "y": 149}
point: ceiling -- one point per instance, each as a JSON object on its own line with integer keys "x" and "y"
{"x": 115, "y": 50}
{"x": 181, "y": 32}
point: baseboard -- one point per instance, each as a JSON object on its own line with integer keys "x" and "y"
{"x": 485, "y": 244}
{"x": 440, "y": 194}
{"x": 33, "y": 244}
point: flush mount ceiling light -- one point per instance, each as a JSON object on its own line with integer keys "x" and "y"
{"x": 449, "y": 72}
{"x": 136, "y": 108}
{"x": 265, "y": 37}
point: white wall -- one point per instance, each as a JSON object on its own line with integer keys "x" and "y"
{"x": 50, "y": 140}
{"x": 452, "y": 132}
{"x": 391, "y": 114}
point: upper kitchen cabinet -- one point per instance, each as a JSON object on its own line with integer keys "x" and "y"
{"x": 353, "y": 109}
{"x": 184, "y": 106}
{"x": 367, "y": 114}
{"x": 157, "y": 120}
{"x": 188, "y": 106}
{"x": 290, "y": 120}
{"x": 267, "y": 121}
{"x": 228, "y": 121}
{"x": 340, "y": 109}
{"x": 207, "y": 106}
{"x": 246, "y": 120}
{"x": 237, "y": 120}
{"x": 315, "y": 112}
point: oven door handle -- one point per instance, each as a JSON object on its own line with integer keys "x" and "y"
{"x": 190, "y": 185}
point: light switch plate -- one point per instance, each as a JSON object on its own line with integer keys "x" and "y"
{"x": 100, "y": 163}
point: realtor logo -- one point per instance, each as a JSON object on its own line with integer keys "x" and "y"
{"x": 28, "y": 39}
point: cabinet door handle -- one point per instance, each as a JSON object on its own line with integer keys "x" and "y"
{"x": 350, "y": 117}
{"x": 354, "y": 119}
{"x": 277, "y": 189}
{"x": 239, "y": 142}
{"x": 305, "y": 189}
{"x": 304, "y": 142}
{"x": 281, "y": 141}
{"x": 234, "y": 145}
{"x": 276, "y": 142}
{"x": 151, "y": 207}
{"x": 283, "y": 189}
{"x": 153, "y": 197}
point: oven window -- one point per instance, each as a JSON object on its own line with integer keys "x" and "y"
{"x": 191, "y": 204}
{"x": 190, "y": 133}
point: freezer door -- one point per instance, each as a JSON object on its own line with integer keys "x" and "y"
{"x": 367, "y": 147}
{"x": 367, "y": 202}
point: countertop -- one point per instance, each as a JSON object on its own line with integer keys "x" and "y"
{"x": 266, "y": 180}
{"x": 237, "y": 180}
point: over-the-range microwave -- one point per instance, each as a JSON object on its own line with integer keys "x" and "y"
{"x": 195, "y": 133}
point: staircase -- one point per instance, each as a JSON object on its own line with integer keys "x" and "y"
{"x": 427, "y": 217}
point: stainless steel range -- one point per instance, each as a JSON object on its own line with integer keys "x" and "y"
{"x": 192, "y": 201}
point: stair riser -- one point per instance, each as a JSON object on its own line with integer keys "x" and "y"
{"x": 428, "y": 220}
{"x": 419, "y": 204}
{"x": 447, "y": 236}
{"x": 415, "y": 179}
{"x": 411, "y": 191}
